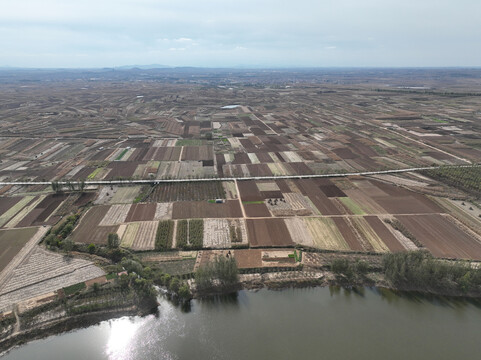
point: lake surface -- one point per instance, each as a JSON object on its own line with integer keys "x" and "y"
{"x": 318, "y": 323}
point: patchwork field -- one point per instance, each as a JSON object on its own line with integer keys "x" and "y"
{"x": 178, "y": 127}
{"x": 14, "y": 221}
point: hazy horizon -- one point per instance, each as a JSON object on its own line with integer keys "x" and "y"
{"x": 222, "y": 34}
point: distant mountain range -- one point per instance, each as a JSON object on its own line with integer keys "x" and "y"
{"x": 143, "y": 67}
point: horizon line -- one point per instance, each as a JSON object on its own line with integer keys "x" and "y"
{"x": 238, "y": 67}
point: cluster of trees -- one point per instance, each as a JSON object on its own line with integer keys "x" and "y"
{"x": 419, "y": 270}
{"x": 190, "y": 234}
{"x": 175, "y": 285}
{"x": 112, "y": 251}
{"x": 141, "y": 279}
{"x": 57, "y": 187}
{"x": 165, "y": 233}
{"x": 349, "y": 270}
{"x": 196, "y": 233}
{"x": 113, "y": 241}
{"x": 182, "y": 234}
{"x": 222, "y": 272}
{"x": 464, "y": 178}
{"x": 399, "y": 226}
{"x": 235, "y": 234}
{"x": 168, "y": 192}
{"x": 57, "y": 236}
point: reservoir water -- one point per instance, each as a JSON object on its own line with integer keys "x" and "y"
{"x": 318, "y": 323}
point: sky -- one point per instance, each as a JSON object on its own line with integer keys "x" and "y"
{"x": 247, "y": 33}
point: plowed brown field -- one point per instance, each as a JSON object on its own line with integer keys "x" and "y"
{"x": 7, "y": 203}
{"x": 204, "y": 209}
{"x": 268, "y": 232}
{"x": 88, "y": 231}
{"x": 256, "y": 210}
{"x": 141, "y": 212}
{"x": 249, "y": 191}
{"x": 248, "y": 258}
{"x": 321, "y": 201}
{"x": 12, "y": 241}
{"x": 442, "y": 237}
{"x": 348, "y": 234}
{"x": 386, "y": 236}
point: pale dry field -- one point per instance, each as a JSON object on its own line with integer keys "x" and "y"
{"x": 268, "y": 186}
{"x": 129, "y": 234}
{"x": 145, "y": 236}
{"x": 125, "y": 195}
{"x": 115, "y": 215}
{"x": 367, "y": 232}
{"x": 325, "y": 234}
{"x": 43, "y": 272}
{"x": 24, "y": 212}
{"x": 163, "y": 211}
{"x": 216, "y": 233}
{"x": 299, "y": 232}
{"x": 5, "y": 217}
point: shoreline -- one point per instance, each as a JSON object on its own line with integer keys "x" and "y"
{"x": 254, "y": 282}
{"x": 66, "y": 324}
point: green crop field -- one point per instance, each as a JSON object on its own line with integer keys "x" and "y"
{"x": 165, "y": 233}
{"x": 352, "y": 205}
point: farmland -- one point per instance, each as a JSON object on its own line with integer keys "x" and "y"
{"x": 204, "y": 209}
{"x": 125, "y": 195}
{"x": 467, "y": 179}
{"x": 268, "y": 232}
{"x": 216, "y": 233}
{"x": 325, "y": 234}
{"x": 187, "y": 192}
{"x": 190, "y": 234}
{"x": 442, "y": 237}
{"x": 44, "y": 272}
{"x": 164, "y": 236}
{"x": 12, "y": 241}
{"x": 334, "y": 122}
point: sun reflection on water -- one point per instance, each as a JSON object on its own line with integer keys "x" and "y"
{"x": 121, "y": 335}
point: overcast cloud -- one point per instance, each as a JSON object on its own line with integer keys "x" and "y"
{"x": 211, "y": 33}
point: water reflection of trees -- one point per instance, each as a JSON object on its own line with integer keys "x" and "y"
{"x": 394, "y": 296}
{"x": 228, "y": 300}
{"x": 336, "y": 290}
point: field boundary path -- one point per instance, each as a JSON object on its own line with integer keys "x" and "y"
{"x": 240, "y": 200}
{"x": 159, "y": 181}
{"x": 22, "y": 255}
